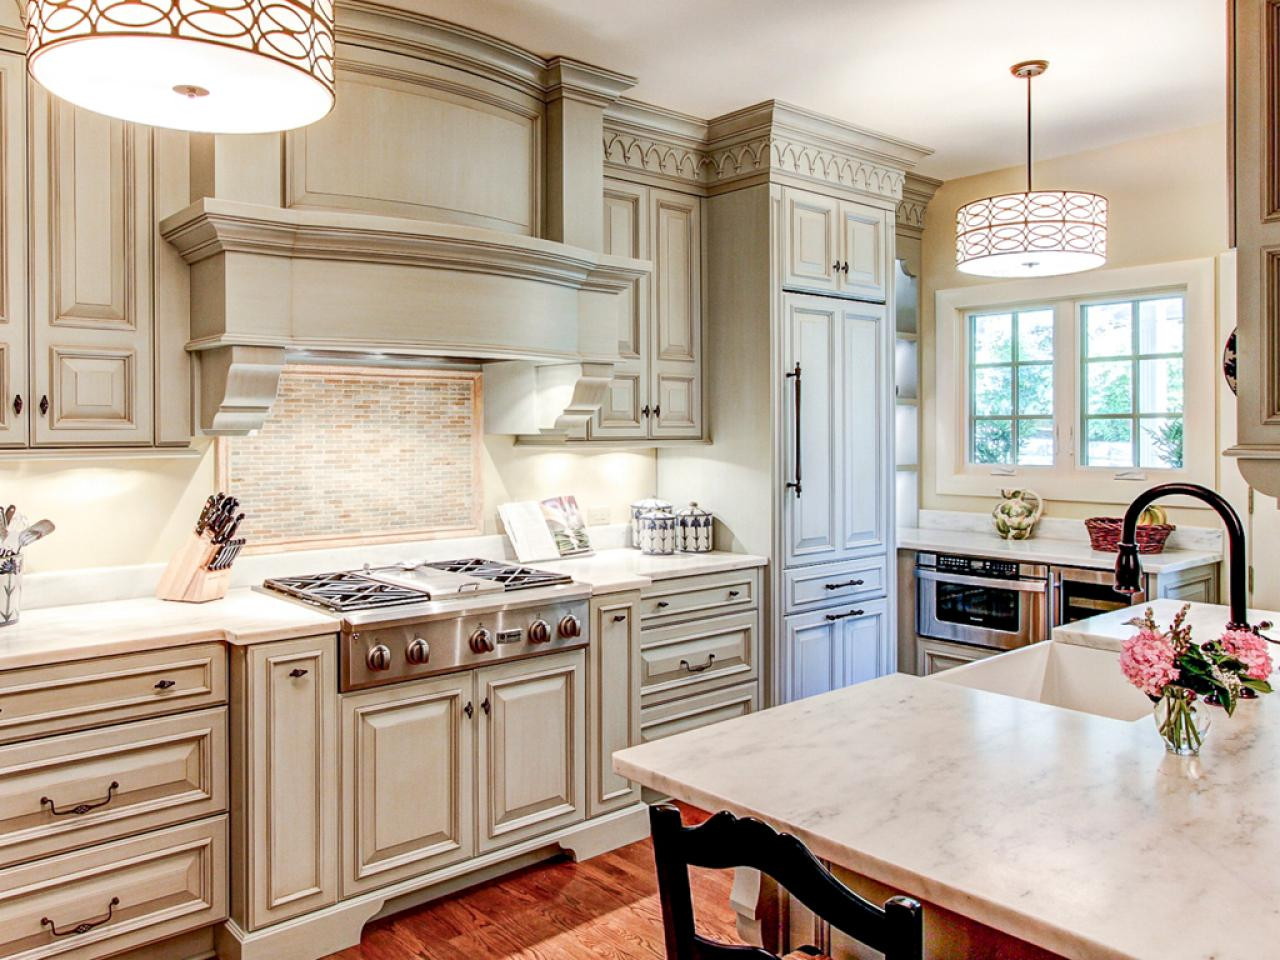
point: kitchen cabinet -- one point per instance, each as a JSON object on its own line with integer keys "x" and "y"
{"x": 934, "y": 656}
{"x": 656, "y": 392}
{"x": 15, "y": 397}
{"x": 835, "y": 247}
{"x": 407, "y": 780}
{"x": 613, "y": 709}
{"x": 284, "y": 747}
{"x": 830, "y": 649}
{"x": 532, "y": 730}
{"x": 835, "y": 410}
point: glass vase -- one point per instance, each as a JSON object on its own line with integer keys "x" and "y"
{"x": 1182, "y": 721}
{"x": 10, "y": 588}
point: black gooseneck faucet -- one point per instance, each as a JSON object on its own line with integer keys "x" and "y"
{"x": 1129, "y": 565}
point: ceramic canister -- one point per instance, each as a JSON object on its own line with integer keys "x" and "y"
{"x": 695, "y": 526}
{"x": 639, "y": 509}
{"x": 658, "y": 532}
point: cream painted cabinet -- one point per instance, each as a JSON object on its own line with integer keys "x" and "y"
{"x": 285, "y": 770}
{"x": 15, "y": 399}
{"x": 613, "y": 706}
{"x": 656, "y": 392}
{"x": 91, "y": 263}
{"x": 838, "y": 647}
{"x": 835, "y": 368}
{"x": 834, "y": 246}
{"x": 532, "y": 732}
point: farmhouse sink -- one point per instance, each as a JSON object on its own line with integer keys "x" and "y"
{"x": 1059, "y": 674}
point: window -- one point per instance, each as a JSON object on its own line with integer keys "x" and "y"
{"x": 1081, "y": 386}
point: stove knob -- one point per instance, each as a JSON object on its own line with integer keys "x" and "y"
{"x": 379, "y": 657}
{"x": 539, "y": 631}
{"x": 418, "y": 652}
{"x": 482, "y": 641}
{"x": 570, "y": 627}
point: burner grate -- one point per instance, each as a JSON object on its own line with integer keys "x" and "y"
{"x": 511, "y": 576}
{"x": 345, "y": 591}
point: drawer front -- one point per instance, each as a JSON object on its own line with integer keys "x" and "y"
{"x": 710, "y": 595}
{"x": 703, "y": 710}
{"x": 37, "y": 701}
{"x": 115, "y": 896}
{"x": 65, "y": 792}
{"x": 680, "y": 660}
{"x": 809, "y": 588}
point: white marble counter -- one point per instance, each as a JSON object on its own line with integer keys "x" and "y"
{"x": 1072, "y": 831}
{"x": 612, "y": 571}
{"x": 1071, "y": 553}
{"x": 1108, "y": 631}
{"x": 89, "y": 630}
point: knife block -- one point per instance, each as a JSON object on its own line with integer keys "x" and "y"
{"x": 188, "y": 578}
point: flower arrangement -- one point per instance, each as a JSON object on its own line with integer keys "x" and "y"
{"x": 1173, "y": 670}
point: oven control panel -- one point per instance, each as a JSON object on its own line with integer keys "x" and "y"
{"x": 977, "y": 566}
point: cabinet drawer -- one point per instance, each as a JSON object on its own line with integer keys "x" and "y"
{"x": 162, "y": 884}
{"x": 679, "y": 660}
{"x": 712, "y": 594}
{"x": 690, "y": 713}
{"x": 36, "y": 701}
{"x": 812, "y": 587}
{"x": 65, "y": 792}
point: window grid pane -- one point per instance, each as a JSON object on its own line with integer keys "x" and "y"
{"x": 1011, "y": 387}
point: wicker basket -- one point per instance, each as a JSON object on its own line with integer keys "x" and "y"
{"x": 1104, "y": 535}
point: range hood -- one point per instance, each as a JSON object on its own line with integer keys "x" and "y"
{"x": 267, "y": 281}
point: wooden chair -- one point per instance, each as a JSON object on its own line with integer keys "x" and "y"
{"x": 725, "y": 841}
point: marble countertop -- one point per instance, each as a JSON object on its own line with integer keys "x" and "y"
{"x": 87, "y": 630}
{"x": 1072, "y": 831}
{"x": 1108, "y": 631}
{"x": 612, "y": 571}
{"x": 1071, "y": 553}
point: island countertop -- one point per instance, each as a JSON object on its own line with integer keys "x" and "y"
{"x": 1074, "y": 832}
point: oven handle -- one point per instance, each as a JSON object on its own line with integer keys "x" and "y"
{"x": 1021, "y": 586}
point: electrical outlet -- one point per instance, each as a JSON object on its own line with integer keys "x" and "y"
{"x": 597, "y": 516}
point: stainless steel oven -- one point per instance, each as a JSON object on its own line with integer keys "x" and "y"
{"x": 999, "y": 604}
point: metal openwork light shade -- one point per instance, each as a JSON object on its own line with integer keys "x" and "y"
{"x": 213, "y": 66}
{"x": 1035, "y": 233}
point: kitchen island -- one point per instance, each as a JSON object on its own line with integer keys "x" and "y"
{"x": 1027, "y": 829}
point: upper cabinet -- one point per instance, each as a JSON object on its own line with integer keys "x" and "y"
{"x": 834, "y": 246}
{"x": 656, "y": 390}
{"x": 14, "y": 393}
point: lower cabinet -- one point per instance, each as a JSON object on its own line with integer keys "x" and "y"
{"x": 934, "y": 656}
{"x": 833, "y": 648}
{"x": 613, "y": 712}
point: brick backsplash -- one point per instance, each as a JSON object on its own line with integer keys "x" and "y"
{"x": 359, "y": 454}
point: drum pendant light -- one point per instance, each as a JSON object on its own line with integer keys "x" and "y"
{"x": 213, "y": 66}
{"x": 1036, "y": 233}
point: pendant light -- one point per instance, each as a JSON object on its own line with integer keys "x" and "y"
{"x": 1036, "y": 233}
{"x": 213, "y": 66}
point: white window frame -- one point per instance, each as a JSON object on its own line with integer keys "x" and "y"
{"x": 1068, "y": 478}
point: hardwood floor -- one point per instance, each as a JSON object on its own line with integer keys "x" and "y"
{"x": 604, "y": 909}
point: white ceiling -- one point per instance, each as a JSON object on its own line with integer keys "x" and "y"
{"x": 931, "y": 71}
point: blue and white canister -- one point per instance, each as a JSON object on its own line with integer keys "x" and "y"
{"x": 695, "y": 529}
{"x": 658, "y": 533}
{"x": 639, "y": 509}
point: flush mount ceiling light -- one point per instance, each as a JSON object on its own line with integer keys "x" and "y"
{"x": 1036, "y": 233}
{"x": 214, "y": 66}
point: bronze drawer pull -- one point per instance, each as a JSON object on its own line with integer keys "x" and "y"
{"x": 619, "y": 617}
{"x": 661, "y": 604}
{"x": 843, "y": 616}
{"x": 297, "y": 672}
{"x": 81, "y": 808}
{"x": 484, "y": 705}
{"x": 469, "y": 710}
{"x": 711, "y": 658}
{"x": 165, "y": 684}
{"x": 84, "y": 927}
{"x": 847, "y": 583}
{"x": 734, "y": 593}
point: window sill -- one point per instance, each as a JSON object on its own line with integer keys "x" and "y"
{"x": 1084, "y": 486}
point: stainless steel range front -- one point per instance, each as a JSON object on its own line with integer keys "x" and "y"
{"x": 416, "y": 620}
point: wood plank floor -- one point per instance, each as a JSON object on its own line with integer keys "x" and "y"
{"x": 603, "y": 909}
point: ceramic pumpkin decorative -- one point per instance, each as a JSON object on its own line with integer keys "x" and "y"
{"x": 1017, "y": 514}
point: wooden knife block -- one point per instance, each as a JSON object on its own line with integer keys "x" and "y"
{"x": 188, "y": 578}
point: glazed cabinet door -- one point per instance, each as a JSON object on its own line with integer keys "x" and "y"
{"x": 811, "y": 429}
{"x": 866, "y": 641}
{"x": 863, "y": 255}
{"x": 811, "y": 241}
{"x": 835, "y": 648}
{"x": 532, "y": 769}
{"x": 866, "y": 420}
{"x": 407, "y": 776}
{"x": 15, "y": 400}
{"x": 626, "y": 234}
{"x": 676, "y": 367}
{"x": 284, "y": 771}
{"x": 613, "y": 705}
{"x": 91, "y": 257}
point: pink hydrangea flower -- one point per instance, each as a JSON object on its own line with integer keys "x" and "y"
{"x": 1251, "y": 650}
{"x": 1148, "y": 661}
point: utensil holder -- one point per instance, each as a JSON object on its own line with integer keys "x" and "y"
{"x": 188, "y": 578}
{"x": 10, "y": 589}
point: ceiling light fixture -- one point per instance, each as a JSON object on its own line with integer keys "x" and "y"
{"x": 213, "y": 66}
{"x": 1036, "y": 233}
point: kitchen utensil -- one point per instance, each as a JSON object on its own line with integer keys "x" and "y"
{"x": 206, "y": 512}
{"x": 694, "y": 530}
{"x": 38, "y": 530}
{"x": 200, "y": 570}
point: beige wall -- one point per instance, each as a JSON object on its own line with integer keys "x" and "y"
{"x": 137, "y": 511}
{"x": 1168, "y": 201}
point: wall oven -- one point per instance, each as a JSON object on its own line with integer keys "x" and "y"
{"x": 998, "y": 604}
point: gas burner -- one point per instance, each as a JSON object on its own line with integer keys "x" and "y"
{"x": 345, "y": 591}
{"x": 511, "y": 576}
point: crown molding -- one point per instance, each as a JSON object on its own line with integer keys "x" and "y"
{"x": 917, "y": 191}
